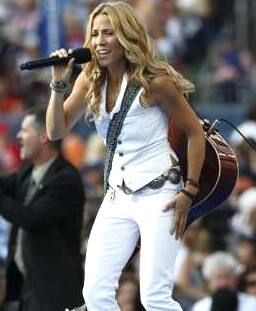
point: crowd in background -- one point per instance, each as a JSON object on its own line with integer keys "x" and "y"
{"x": 199, "y": 42}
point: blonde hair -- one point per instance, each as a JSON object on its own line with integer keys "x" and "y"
{"x": 143, "y": 61}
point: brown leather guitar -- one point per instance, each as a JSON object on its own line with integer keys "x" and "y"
{"x": 219, "y": 173}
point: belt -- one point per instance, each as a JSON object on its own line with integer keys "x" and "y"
{"x": 173, "y": 175}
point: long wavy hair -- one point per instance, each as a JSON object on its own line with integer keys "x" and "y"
{"x": 143, "y": 61}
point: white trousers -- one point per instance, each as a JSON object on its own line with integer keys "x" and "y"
{"x": 121, "y": 220}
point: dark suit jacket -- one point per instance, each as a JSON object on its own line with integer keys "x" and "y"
{"x": 52, "y": 231}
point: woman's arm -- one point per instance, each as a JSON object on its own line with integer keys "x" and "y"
{"x": 62, "y": 115}
{"x": 164, "y": 92}
{"x": 168, "y": 96}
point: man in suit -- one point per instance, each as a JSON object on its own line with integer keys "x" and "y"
{"x": 44, "y": 202}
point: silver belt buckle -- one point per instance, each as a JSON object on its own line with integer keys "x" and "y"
{"x": 157, "y": 183}
{"x": 174, "y": 175}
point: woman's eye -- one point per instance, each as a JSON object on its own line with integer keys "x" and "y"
{"x": 109, "y": 32}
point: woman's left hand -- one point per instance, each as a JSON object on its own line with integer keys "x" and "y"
{"x": 181, "y": 204}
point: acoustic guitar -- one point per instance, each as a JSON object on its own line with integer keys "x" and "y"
{"x": 218, "y": 176}
{"x": 219, "y": 173}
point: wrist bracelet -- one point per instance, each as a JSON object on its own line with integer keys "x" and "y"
{"x": 59, "y": 86}
{"x": 188, "y": 194}
{"x": 192, "y": 182}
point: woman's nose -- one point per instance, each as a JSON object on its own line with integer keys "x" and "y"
{"x": 101, "y": 39}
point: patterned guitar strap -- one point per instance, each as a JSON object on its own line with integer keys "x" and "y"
{"x": 115, "y": 127}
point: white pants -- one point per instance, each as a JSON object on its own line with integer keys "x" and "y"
{"x": 121, "y": 220}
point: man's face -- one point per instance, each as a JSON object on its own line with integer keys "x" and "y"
{"x": 29, "y": 138}
{"x": 223, "y": 279}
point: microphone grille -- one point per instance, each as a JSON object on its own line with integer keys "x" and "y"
{"x": 82, "y": 55}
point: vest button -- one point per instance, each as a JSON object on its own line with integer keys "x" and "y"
{"x": 119, "y": 141}
{"x": 121, "y": 154}
{"x": 122, "y": 168}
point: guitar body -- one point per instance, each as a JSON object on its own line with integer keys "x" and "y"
{"x": 218, "y": 176}
{"x": 219, "y": 173}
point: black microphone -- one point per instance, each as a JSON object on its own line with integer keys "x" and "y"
{"x": 81, "y": 56}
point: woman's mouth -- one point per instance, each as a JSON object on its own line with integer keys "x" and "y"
{"x": 103, "y": 53}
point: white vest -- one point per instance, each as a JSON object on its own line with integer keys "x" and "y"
{"x": 143, "y": 151}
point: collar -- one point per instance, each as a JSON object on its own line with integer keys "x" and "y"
{"x": 118, "y": 102}
{"x": 39, "y": 172}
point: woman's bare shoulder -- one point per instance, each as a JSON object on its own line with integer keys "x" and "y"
{"x": 161, "y": 87}
{"x": 160, "y": 82}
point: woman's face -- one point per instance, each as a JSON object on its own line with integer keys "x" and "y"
{"x": 105, "y": 44}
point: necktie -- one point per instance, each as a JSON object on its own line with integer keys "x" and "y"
{"x": 18, "y": 253}
{"x": 31, "y": 190}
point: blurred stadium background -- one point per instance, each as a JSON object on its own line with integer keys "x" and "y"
{"x": 211, "y": 42}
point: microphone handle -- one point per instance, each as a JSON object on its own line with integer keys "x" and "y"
{"x": 45, "y": 62}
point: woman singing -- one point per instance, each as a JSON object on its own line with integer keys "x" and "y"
{"x": 130, "y": 93}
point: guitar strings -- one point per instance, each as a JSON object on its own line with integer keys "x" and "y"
{"x": 250, "y": 142}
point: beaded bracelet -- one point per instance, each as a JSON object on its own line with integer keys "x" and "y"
{"x": 188, "y": 194}
{"x": 59, "y": 86}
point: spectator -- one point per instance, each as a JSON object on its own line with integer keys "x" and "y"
{"x": 246, "y": 251}
{"x": 170, "y": 40}
{"x": 225, "y": 72}
{"x": 221, "y": 271}
{"x": 146, "y": 10}
{"x": 248, "y": 281}
{"x": 74, "y": 149}
{"x": 44, "y": 202}
{"x": 10, "y": 102}
{"x": 244, "y": 222}
{"x": 188, "y": 280}
{"x": 73, "y": 23}
{"x": 9, "y": 151}
{"x": 22, "y": 28}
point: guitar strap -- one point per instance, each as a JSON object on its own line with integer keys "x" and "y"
{"x": 115, "y": 127}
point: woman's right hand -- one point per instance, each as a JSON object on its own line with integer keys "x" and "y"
{"x": 62, "y": 73}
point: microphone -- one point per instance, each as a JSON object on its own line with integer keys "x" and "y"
{"x": 81, "y": 56}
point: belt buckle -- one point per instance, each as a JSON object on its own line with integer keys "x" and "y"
{"x": 174, "y": 175}
{"x": 157, "y": 183}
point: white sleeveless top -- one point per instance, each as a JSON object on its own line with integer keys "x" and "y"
{"x": 143, "y": 151}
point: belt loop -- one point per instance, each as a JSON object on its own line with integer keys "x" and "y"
{"x": 124, "y": 188}
{"x": 112, "y": 195}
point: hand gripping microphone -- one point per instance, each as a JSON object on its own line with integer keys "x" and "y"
{"x": 81, "y": 56}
